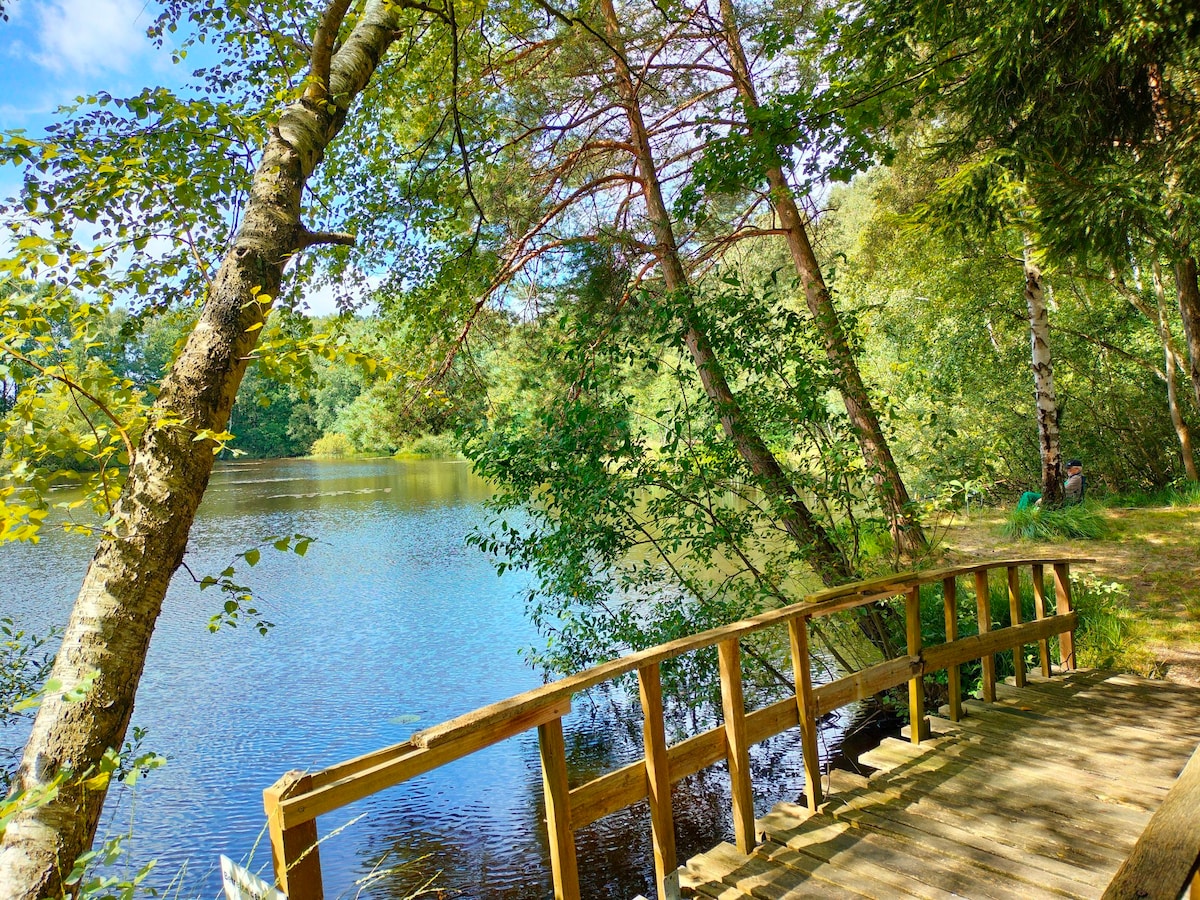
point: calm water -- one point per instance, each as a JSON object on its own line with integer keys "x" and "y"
{"x": 388, "y": 625}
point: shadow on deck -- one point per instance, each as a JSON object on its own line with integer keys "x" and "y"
{"x": 1043, "y": 793}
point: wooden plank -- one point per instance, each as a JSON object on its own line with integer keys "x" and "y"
{"x": 806, "y": 710}
{"x": 1053, "y": 828}
{"x": 1014, "y": 614}
{"x": 821, "y": 864}
{"x": 413, "y": 762}
{"x": 953, "y": 673}
{"x": 865, "y": 683}
{"x": 1140, "y": 794}
{"x": 1062, "y": 592}
{"x": 1166, "y": 855}
{"x": 1039, "y": 605}
{"x": 658, "y": 782}
{"x": 294, "y": 850}
{"x": 984, "y": 645}
{"x": 957, "y": 840}
{"x": 893, "y": 863}
{"x": 762, "y": 880}
{"x": 733, "y": 705}
{"x": 916, "y": 684}
{"x": 563, "y": 865}
{"x": 983, "y": 606}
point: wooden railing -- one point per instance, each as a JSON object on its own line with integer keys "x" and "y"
{"x": 296, "y": 800}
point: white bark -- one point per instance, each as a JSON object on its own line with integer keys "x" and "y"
{"x": 1043, "y": 382}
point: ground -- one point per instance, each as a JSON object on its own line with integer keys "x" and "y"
{"x": 1154, "y": 552}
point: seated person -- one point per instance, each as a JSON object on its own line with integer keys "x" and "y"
{"x": 1073, "y": 488}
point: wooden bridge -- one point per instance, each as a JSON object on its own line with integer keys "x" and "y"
{"x": 1063, "y": 786}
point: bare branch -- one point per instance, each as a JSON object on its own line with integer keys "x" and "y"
{"x": 322, "y": 50}
{"x": 310, "y": 238}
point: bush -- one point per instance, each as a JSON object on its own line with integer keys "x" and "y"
{"x": 434, "y": 445}
{"x": 1083, "y": 521}
{"x": 1109, "y": 635}
{"x": 333, "y": 445}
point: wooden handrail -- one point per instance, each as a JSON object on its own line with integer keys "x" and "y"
{"x": 1167, "y": 855}
{"x": 292, "y": 811}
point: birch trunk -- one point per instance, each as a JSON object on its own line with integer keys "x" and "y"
{"x": 1043, "y": 384}
{"x": 829, "y": 563}
{"x": 114, "y": 615}
{"x": 889, "y": 486}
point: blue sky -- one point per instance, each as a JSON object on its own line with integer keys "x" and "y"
{"x": 52, "y": 51}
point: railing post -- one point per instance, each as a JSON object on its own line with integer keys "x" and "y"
{"x": 1039, "y": 605}
{"x": 918, "y": 724}
{"x": 1014, "y": 613}
{"x": 558, "y": 810}
{"x": 1062, "y": 591}
{"x": 658, "y": 778}
{"x": 983, "y": 604}
{"x": 807, "y": 707}
{"x": 733, "y": 704}
{"x": 953, "y": 675}
{"x": 294, "y": 851}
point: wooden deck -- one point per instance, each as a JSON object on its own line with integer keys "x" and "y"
{"x": 1040, "y": 794}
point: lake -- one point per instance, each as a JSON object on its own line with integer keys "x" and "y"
{"x": 388, "y": 625}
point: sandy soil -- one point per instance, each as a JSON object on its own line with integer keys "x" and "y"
{"x": 1154, "y": 552}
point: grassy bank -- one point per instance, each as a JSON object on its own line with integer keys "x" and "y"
{"x": 1152, "y": 551}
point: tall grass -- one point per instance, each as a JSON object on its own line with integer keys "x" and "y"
{"x": 1178, "y": 493}
{"x": 1082, "y": 521}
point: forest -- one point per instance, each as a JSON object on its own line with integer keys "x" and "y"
{"x": 729, "y": 299}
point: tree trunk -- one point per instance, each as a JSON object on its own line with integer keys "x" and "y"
{"x": 1189, "y": 309}
{"x": 829, "y": 563}
{"x": 114, "y": 615}
{"x": 889, "y": 486}
{"x": 1171, "y": 355}
{"x": 1043, "y": 383}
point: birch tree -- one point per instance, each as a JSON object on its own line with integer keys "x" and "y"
{"x": 107, "y": 637}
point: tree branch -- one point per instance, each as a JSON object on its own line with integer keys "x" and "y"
{"x": 322, "y": 50}
{"x": 75, "y": 386}
{"x": 310, "y": 238}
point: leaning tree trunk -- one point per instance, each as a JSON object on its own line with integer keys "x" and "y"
{"x": 114, "y": 615}
{"x": 813, "y": 541}
{"x": 1189, "y": 309}
{"x": 889, "y": 486}
{"x": 1043, "y": 383}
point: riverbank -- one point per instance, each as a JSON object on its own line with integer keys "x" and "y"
{"x": 1154, "y": 552}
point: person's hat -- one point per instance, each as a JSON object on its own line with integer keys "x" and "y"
{"x": 1073, "y": 463}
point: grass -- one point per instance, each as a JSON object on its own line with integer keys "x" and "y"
{"x": 1151, "y": 552}
{"x": 1181, "y": 494}
{"x": 1084, "y": 521}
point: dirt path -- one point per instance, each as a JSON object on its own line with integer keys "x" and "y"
{"x": 1153, "y": 552}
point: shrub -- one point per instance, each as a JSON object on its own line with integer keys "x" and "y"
{"x": 333, "y": 445}
{"x": 1109, "y": 636}
{"x": 434, "y": 445}
{"x": 1083, "y": 521}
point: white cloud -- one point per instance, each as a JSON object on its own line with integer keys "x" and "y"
{"x": 86, "y": 36}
